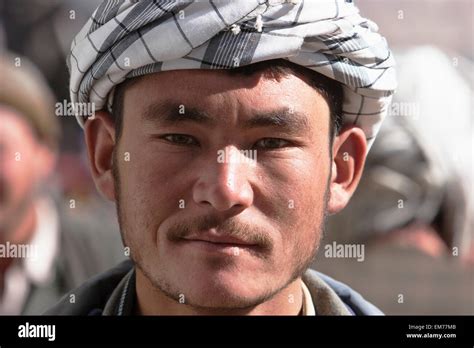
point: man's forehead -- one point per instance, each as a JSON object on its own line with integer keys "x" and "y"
{"x": 219, "y": 80}
{"x": 205, "y": 90}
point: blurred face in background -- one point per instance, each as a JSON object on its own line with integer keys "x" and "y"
{"x": 218, "y": 234}
{"x": 24, "y": 161}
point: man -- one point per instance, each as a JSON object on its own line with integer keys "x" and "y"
{"x": 223, "y": 149}
{"x": 42, "y": 247}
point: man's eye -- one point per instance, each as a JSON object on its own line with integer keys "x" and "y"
{"x": 180, "y": 139}
{"x": 271, "y": 143}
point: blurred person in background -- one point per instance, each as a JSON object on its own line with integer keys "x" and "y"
{"x": 60, "y": 249}
{"x": 42, "y": 31}
{"x": 414, "y": 206}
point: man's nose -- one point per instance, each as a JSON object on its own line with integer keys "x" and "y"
{"x": 223, "y": 184}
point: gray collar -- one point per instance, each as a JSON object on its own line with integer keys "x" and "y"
{"x": 122, "y": 299}
{"x": 325, "y": 299}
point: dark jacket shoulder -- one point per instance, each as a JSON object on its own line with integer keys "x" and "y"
{"x": 93, "y": 294}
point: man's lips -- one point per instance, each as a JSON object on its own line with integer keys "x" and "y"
{"x": 222, "y": 242}
{"x": 222, "y": 248}
{"x": 219, "y": 239}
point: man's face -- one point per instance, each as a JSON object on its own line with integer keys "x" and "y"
{"x": 202, "y": 219}
{"x": 19, "y": 168}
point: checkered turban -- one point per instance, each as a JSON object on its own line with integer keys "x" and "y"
{"x": 125, "y": 39}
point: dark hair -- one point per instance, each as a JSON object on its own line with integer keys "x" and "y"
{"x": 329, "y": 89}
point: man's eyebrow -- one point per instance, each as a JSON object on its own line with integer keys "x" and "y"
{"x": 173, "y": 114}
{"x": 285, "y": 119}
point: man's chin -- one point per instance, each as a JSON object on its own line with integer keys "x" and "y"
{"x": 229, "y": 290}
{"x": 223, "y": 298}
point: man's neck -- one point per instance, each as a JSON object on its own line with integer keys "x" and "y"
{"x": 152, "y": 301}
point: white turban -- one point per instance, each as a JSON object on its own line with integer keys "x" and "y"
{"x": 125, "y": 39}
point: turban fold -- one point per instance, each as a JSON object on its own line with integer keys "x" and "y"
{"x": 125, "y": 39}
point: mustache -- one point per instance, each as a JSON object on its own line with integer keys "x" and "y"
{"x": 248, "y": 233}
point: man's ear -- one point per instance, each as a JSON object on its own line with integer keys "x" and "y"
{"x": 349, "y": 153}
{"x": 99, "y": 133}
